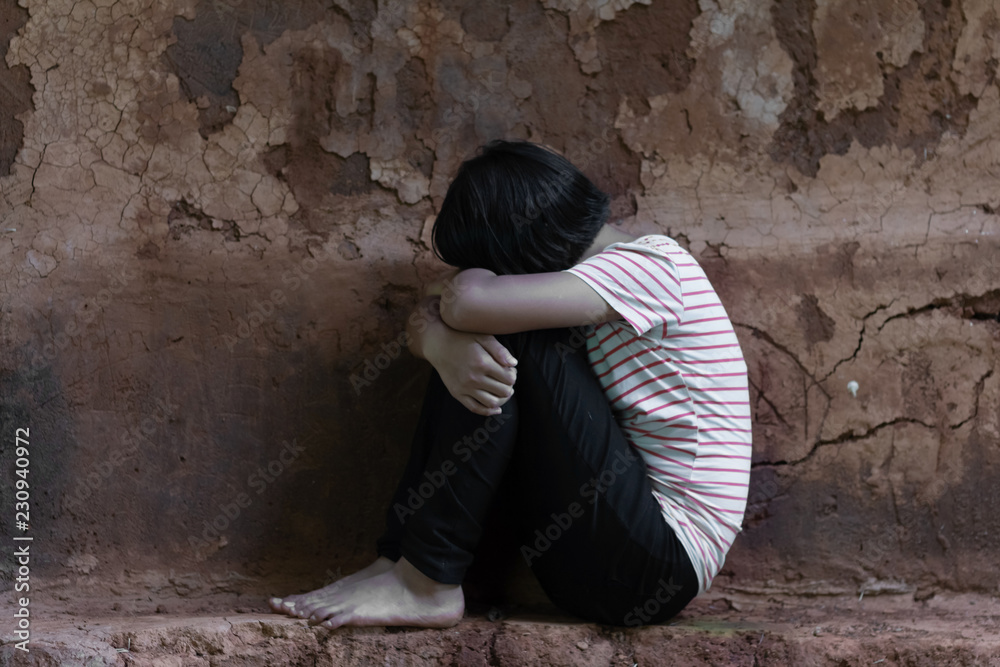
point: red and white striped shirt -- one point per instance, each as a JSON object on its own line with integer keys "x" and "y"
{"x": 674, "y": 374}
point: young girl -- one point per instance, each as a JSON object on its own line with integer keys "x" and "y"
{"x": 596, "y": 373}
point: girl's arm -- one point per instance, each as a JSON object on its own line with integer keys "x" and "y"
{"x": 479, "y": 301}
{"x": 477, "y": 370}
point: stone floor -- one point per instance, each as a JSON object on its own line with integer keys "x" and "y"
{"x": 756, "y": 628}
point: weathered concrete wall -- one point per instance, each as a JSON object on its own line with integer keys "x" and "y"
{"x": 216, "y": 213}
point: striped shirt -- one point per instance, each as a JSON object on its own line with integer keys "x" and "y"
{"x": 674, "y": 374}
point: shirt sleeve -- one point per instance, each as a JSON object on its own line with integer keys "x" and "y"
{"x": 643, "y": 287}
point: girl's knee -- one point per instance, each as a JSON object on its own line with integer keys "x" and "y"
{"x": 543, "y": 342}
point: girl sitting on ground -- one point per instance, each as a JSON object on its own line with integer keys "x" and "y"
{"x": 596, "y": 374}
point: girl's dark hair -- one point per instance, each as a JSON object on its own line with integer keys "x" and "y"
{"x": 517, "y": 207}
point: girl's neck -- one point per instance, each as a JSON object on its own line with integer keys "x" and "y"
{"x": 606, "y": 237}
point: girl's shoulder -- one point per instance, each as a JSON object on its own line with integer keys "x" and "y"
{"x": 657, "y": 241}
{"x": 655, "y": 244}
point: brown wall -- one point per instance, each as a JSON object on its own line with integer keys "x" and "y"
{"x": 216, "y": 213}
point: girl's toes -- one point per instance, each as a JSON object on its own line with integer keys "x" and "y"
{"x": 334, "y": 622}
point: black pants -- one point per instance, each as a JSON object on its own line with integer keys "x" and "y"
{"x": 588, "y": 524}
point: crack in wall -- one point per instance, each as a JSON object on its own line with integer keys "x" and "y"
{"x": 985, "y": 306}
{"x": 861, "y": 338}
{"x": 762, "y": 397}
{"x": 968, "y": 306}
{"x": 980, "y": 385}
{"x": 182, "y": 212}
{"x": 760, "y": 333}
{"x": 847, "y": 436}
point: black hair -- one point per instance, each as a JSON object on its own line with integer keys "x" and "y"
{"x": 518, "y": 207}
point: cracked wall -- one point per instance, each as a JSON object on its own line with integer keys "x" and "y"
{"x": 216, "y": 212}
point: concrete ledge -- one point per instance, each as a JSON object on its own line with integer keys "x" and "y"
{"x": 719, "y": 629}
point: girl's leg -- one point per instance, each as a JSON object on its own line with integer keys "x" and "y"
{"x": 434, "y": 523}
{"x": 592, "y": 533}
{"x": 591, "y": 529}
{"x": 457, "y": 461}
{"x": 456, "y": 458}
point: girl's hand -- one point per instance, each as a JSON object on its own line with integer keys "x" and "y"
{"x": 477, "y": 370}
{"x": 437, "y": 287}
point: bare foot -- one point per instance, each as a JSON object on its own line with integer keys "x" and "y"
{"x": 400, "y": 596}
{"x": 304, "y": 604}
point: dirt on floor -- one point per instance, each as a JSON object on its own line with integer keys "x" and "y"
{"x": 720, "y": 628}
